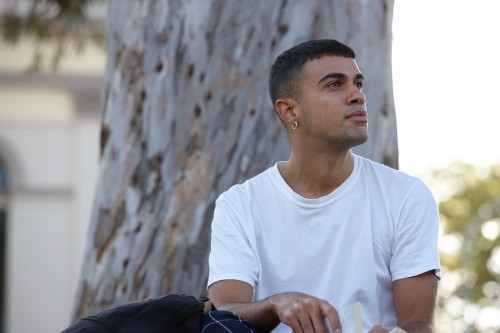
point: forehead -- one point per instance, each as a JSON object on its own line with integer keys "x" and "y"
{"x": 315, "y": 69}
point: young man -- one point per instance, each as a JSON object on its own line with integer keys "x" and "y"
{"x": 326, "y": 228}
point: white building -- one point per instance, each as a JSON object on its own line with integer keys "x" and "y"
{"x": 49, "y": 147}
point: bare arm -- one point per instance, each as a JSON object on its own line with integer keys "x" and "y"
{"x": 301, "y": 312}
{"x": 414, "y": 301}
{"x": 236, "y": 296}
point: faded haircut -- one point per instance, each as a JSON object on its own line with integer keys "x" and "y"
{"x": 286, "y": 70}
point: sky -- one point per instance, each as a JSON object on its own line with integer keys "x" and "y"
{"x": 446, "y": 76}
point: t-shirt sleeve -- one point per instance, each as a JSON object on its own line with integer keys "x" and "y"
{"x": 231, "y": 256}
{"x": 416, "y": 234}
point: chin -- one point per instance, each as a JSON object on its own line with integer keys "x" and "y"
{"x": 355, "y": 140}
{"x": 359, "y": 142}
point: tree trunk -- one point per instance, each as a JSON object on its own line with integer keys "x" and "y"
{"x": 186, "y": 114}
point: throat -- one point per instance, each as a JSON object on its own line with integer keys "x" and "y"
{"x": 316, "y": 179}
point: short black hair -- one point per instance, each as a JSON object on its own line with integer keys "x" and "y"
{"x": 288, "y": 65}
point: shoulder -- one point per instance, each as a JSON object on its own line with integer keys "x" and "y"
{"x": 246, "y": 190}
{"x": 235, "y": 206}
{"x": 377, "y": 171}
{"x": 395, "y": 183}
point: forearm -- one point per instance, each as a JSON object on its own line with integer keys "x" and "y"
{"x": 260, "y": 314}
{"x": 303, "y": 313}
{"x": 415, "y": 301}
{"x": 419, "y": 327}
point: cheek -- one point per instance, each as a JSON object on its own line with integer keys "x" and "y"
{"x": 328, "y": 108}
{"x": 321, "y": 109}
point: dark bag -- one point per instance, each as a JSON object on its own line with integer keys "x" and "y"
{"x": 225, "y": 322}
{"x": 174, "y": 313}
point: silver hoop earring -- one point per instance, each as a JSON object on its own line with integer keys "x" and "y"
{"x": 294, "y": 126}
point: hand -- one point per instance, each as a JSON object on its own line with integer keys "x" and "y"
{"x": 378, "y": 329}
{"x": 304, "y": 313}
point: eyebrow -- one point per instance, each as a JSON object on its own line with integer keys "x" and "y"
{"x": 358, "y": 76}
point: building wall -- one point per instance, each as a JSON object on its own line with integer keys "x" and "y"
{"x": 49, "y": 133}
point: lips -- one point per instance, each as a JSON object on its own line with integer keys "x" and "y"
{"x": 358, "y": 116}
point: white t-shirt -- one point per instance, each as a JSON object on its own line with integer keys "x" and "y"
{"x": 349, "y": 246}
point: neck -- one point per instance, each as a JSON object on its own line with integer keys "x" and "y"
{"x": 313, "y": 173}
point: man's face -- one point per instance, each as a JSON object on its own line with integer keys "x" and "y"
{"x": 332, "y": 103}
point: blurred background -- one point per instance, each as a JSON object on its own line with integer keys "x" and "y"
{"x": 49, "y": 144}
{"x": 445, "y": 72}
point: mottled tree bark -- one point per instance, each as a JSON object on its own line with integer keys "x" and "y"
{"x": 186, "y": 115}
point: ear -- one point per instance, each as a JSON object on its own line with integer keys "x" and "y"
{"x": 288, "y": 109}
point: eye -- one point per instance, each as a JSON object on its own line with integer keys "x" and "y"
{"x": 334, "y": 84}
{"x": 360, "y": 85}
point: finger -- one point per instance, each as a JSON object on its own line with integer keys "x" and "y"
{"x": 294, "y": 323}
{"x": 306, "y": 324}
{"x": 318, "y": 322}
{"x": 311, "y": 317}
{"x": 378, "y": 329}
{"x": 331, "y": 314}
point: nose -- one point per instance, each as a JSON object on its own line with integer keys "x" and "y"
{"x": 356, "y": 96}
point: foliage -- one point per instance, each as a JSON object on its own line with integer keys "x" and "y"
{"x": 469, "y": 247}
{"x": 63, "y": 23}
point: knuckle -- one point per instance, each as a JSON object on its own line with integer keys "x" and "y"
{"x": 330, "y": 310}
{"x": 296, "y": 308}
{"x": 325, "y": 303}
{"x": 288, "y": 315}
{"x": 309, "y": 303}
